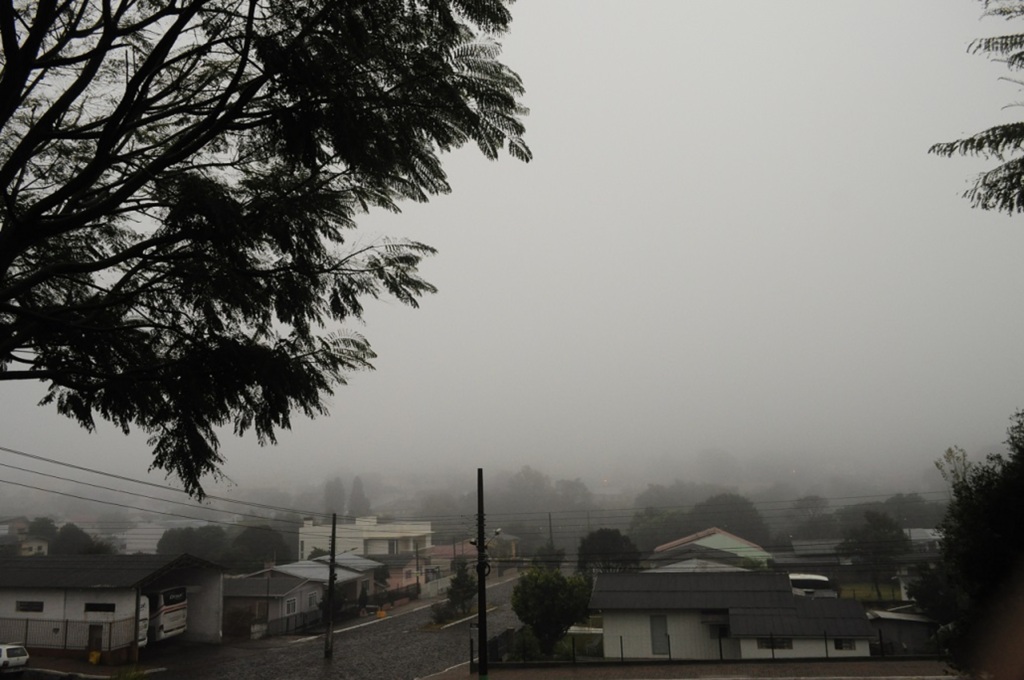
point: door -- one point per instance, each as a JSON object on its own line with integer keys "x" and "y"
{"x": 659, "y": 635}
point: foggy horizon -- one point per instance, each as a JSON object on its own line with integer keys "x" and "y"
{"x": 732, "y": 260}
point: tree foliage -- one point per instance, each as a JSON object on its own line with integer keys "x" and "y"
{"x": 253, "y": 548}
{"x": 983, "y": 539}
{"x": 462, "y": 588}
{"x": 334, "y": 496}
{"x": 1000, "y": 188}
{"x": 876, "y": 545}
{"x": 358, "y": 502}
{"x": 549, "y": 603}
{"x": 179, "y": 180}
{"x": 733, "y": 513}
{"x": 606, "y": 550}
{"x": 207, "y": 542}
{"x": 43, "y": 527}
{"x": 73, "y": 540}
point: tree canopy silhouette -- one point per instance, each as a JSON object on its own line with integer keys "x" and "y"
{"x": 1000, "y": 188}
{"x": 179, "y": 180}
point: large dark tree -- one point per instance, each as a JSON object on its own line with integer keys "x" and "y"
{"x": 733, "y": 513}
{"x": 606, "y": 550}
{"x": 253, "y": 548}
{"x": 983, "y": 545}
{"x": 208, "y": 542}
{"x": 334, "y": 496}
{"x": 876, "y": 545}
{"x": 43, "y": 527}
{"x": 358, "y": 502}
{"x": 73, "y": 540}
{"x": 178, "y": 180}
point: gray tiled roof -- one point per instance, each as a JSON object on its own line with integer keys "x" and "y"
{"x": 277, "y": 586}
{"x": 350, "y": 561}
{"x": 693, "y": 590}
{"x": 759, "y": 604}
{"x": 808, "y": 617}
{"x": 91, "y": 571}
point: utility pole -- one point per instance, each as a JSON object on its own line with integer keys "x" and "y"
{"x": 482, "y": 568}
{"x": 329, "y": 634}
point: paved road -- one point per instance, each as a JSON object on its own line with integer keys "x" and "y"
{"x": 402, "y": 647}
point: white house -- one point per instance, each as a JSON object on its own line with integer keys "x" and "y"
{"x": 710, "y": 545}
{"x": 92, "y": 602}
{"x": 723, "y": 615}
{"x": 352, "y": 575}
{"x": 254, "y": 607}
{"x": 366, "y": 536}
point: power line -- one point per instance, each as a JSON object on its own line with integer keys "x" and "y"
{"x": 155, "y": 485}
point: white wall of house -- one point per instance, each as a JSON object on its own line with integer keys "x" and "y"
{"x": 46, "y": 628}
{"x": 76, "y": 602}
{"x": 304, "y": 599}
{"x": 689, "y": 637}
{"x": 803, "y": 648}
{"x": 631, "y": 635}
{"x": 34, "y": 546}
{"x": 58, "y": 605}
{"x": 365, "y": 537}
{"x": 52, "y": 603}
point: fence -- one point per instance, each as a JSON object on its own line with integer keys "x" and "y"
{"x": 68, "y": 634}
{"x": 519, "y": 646}
{"x": 292, "y": 623}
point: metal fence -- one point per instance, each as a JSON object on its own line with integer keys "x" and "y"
{"x": 293, "y": 623}
{"x": 520, "y": 646}
{"x": 68, "y": 634}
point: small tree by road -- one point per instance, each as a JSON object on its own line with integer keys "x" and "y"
{"x": 462, "y": 590}
{"x": 549, "y": 603}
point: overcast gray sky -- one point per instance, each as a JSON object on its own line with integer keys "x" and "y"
{"x": 731, "y": 240}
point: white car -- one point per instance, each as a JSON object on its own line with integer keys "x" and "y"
{"x": 13, "y": 659}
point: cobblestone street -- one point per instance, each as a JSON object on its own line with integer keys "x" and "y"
{"x": 401, "y": 647}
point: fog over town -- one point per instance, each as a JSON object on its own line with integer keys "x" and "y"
{"x": 731, "y": 262}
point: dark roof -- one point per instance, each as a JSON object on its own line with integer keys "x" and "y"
{"x": 808, "y": 617}
{"x": 816, "y": 546}
{"x": 690, "y": 590}
{"x": 278, "y": 586}
{"x": 92, "y": 571}
{"x": 759, "y": 604}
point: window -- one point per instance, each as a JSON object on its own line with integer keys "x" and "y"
{"x": 775, "y": 643}
{"x": 100, "y": 606}
{"x": 847, "y": 645}
{"x": 393, "y": 546}
{"x": 289, "y": 606}
{"x": 311, "y": 603}
{"x": 659, "y": 634}
{"x": 28, "y": 606}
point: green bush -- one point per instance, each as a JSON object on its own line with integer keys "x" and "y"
{"x": 442, "y": 612}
